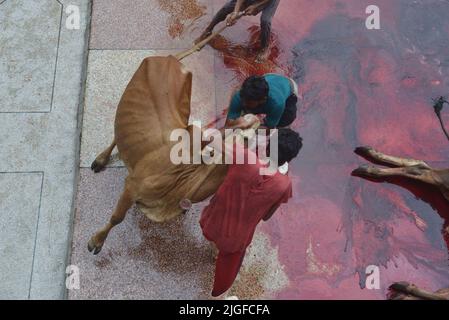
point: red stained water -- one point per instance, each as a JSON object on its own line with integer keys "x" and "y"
{"x": 357, "y": 87}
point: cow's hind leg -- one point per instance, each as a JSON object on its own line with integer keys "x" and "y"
{"x": 415, "y": 173}
{"x": 390, "y": 160}
{"x": 124, "y": 204}
{"x": 103, "y": 158}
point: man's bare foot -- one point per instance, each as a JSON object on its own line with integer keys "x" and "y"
{"x": 263, "y": 56}
{"x": 203, "y": 36}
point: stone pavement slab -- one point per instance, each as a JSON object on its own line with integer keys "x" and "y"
{"x": 41, "y": 80}
{"x": 25, "y": 86}
{"x": 20, "y": 200}
{"x": 147, "y": 24}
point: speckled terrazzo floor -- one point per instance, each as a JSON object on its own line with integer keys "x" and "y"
{"x": 145, "y": 260}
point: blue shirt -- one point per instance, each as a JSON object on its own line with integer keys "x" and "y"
{"x": 279, "y": 91}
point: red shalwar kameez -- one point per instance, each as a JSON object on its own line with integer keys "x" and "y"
{"x": 242, "y": 201}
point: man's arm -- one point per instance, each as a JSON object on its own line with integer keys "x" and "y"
{"x": 272, "y": 119}
{"x": 234, "y": 123}
{"x": 235, "y": 111}
{"x": 238, "y": 6}
{"x": 232, "y": 17}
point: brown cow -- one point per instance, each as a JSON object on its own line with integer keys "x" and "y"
{"x": 155, "y": 102}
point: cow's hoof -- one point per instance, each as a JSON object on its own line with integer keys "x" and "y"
{"x": 93, "y": 247}
{"x": 364, "y": 150}
{"x": 361, "y": 171}
{"x": 402, "y": 286}
{"x": 97, "y": 166}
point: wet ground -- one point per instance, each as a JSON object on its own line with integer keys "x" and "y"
{"x": 358, "y": 87}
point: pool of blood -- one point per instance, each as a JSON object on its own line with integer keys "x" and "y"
{"x": 357, "y": 87}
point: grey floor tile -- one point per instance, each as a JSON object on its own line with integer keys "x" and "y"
{"x": 20, "y": 195}
{"x": 29, "y": 47}
{"x": 39, "y": 129}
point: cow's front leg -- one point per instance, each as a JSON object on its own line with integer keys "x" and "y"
{"x": 390, "y": 160}
{"x": 415, "y": 173}
{"x": 124, "y": 204}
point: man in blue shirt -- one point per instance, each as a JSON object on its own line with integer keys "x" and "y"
{"x": 272, "y": 94}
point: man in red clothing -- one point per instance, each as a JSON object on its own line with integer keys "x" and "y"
{"x": 244, "y": 199}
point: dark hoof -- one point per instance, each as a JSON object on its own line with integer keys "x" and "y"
{"x": 397, "y": 297}
{"x": 92, "y": 247}
{"x": 363, "y": 151}
{"x": 400, "y": 286}
{"x": 96, "y": 166}
{"x": 361, "y": 171}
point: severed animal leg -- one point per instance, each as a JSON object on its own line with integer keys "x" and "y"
{"x": 124, "y": 204}
{"x": 415, "y": 172}
{"x": 412, "y": 290}
{"x": 103, "y": 158}
{"x": 391, "y": 160}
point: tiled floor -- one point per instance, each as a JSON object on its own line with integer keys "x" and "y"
{"x": 145, "y": 260}
{"x": 41, "y": 77}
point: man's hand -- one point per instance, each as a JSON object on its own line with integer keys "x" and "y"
{"x": 243, "y": 123}
{"x": 232, "y": 18}
{"x": 252, "y": 10}
{"x": 251, "y": 120}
